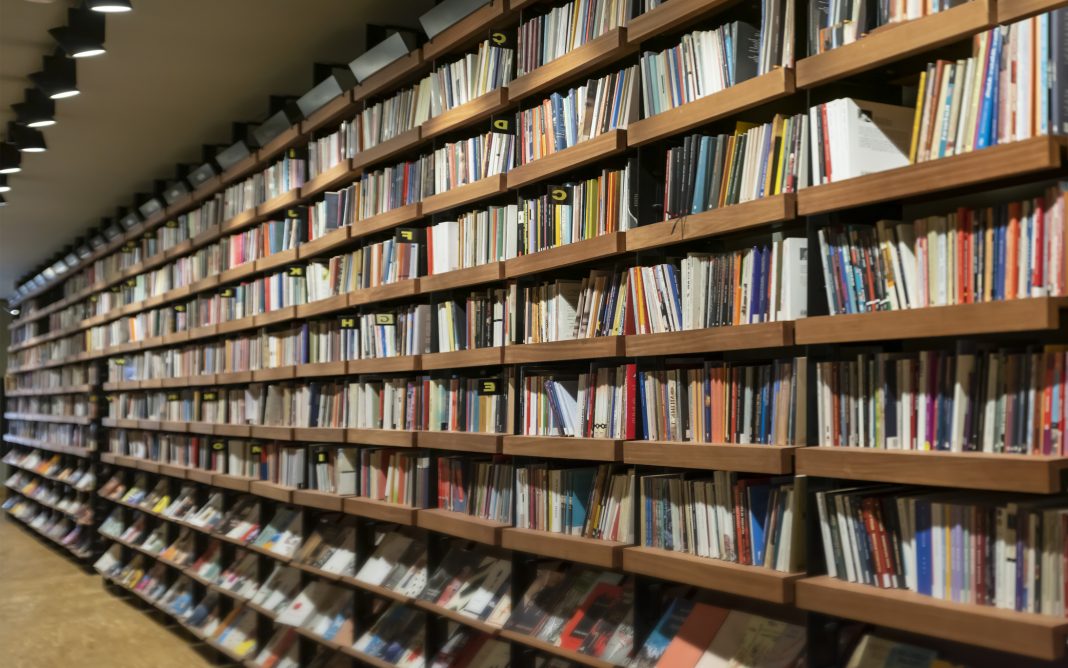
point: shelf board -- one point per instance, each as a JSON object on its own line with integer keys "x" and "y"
{"x": 465, "y": 194}
{"x": 316, "y": 499}
{"x": 458, "y": 617}
{"x": 599, "y": 347}
{"x": 460, "y": 278}
{"x": 460, "y": 441}
{"x": 270, "y": 432}
{"x": 237, "y": 222}
{"x": 601, "y": 553}
{"x": 276, "y": 260}
{"x": 207, "y": 429}
{"x": 233, "y": 482}
{"x": 173, "y": 471}
{"x": 460, "y": 525}
{"x": 169, "y": 425}
{"x": 564, "y": 447}
{"x": 323, "y": 306}
{"x": 271, "y": 490}
{"x": 321, "y": 369}
{"x": 711, "y": 339}
{"x": 402, "y": 215}
{"x": 1009, "y": 11}
{"x": 147, "y": 466}
{"x": 331, "y": 112}
{"x": 751, "y": 581}
{"x": 895, "y": 42}
{"x": 1038, "y": 636}
{"x": 994, "y": 163}
{"x": 336, "y": 176}
{"x": 319, "y": 434}
{"x": 231, "y": 430}
{"x": 592, "y": 55}
{"x": 549, "y": 648}
{"x": 456, "y": 359}
{"x": 730, "y": 101}
{"x": 283, "y": 314}
{"x": 288, "y": 138}
{"x": 1018, "y": 315}
{"x": 670, "y": 16}
{"x": 771, "y": 459}
{"x": 377, "y": 590}
{"x": 324, "y": 244}
{"x": 231, "y": 326}
{"x": 1038, "y": 474}
{"x": 200, "y": 475}
{"x": 464, "y": 30}
{"x": 469, "y": 113}
{"x": 233, "y": 378}
{"x": 396, "y": 438}
{"x": 605, "y": 245}
{"x": 405, "y": 141}
{"x": 379, "y": 510}
{"x": 277, "y": 373}
{"x": 600, "y": 147}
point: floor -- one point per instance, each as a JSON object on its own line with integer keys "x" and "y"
{"x": 53, "y": 613}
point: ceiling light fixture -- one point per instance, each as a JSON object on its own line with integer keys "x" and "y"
{"x": 27, "y": 139}
{"x": 3, "y": 202}
{"x": 58, "y": 77}
{"x": 4, "y": 187}
{"x": 83, "y": 36}
{"x": 36, "y": 110}
{"x": 110, "y": 6}
{"x": 10, "y": 158}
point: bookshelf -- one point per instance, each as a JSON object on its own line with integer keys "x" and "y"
{"x": 780, "y": 90}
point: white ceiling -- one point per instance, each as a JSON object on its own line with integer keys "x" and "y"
{"x": 176, "y": 74}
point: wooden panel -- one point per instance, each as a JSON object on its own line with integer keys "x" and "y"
{"x": 478, "y": 109}
{"x": 564, "y": 447}
{"x": 656, "y": 235}
{"x": 460, "y": 525}
{"x": 337, "y": 175}
{"x": 316, "y": 499}
{"x": 173, "y": 471}
{"x": 231, "y": 326}
{"x": 1009, "y": 11}
{"x": 278, "y": 373}
{"x": 271, "y": 490}
{"x": 381, "y": 293}
{"x": 240, "y": 221}
{"x": 397, "y": 438}
{"x": 390, "y": 148}
{"x": 549, "y": 648}
{"x": 204, "y": 428}
{"x": 740, "y": 216}
{"x": 600, "y": 147}
{"x": 384, "y": 364}
{"x": 280, "y": 315}
{"x": 711, "y": 339}
{"x": 240, "y": 169}
{"x": 750, "y": 93}
{"x": 403, "y": 215}
{"x": 752, "y": 581}
{"x": 335, "y": 110}
{"x": 200, "y": 475}
{"x": 586, "y": 250}
{"x": 236, "y": 483}
{"x": 1038, "y": 636}
{"x": 466, "y": 194}
{"x": 181, "y": 248}
{"x": 590, "y": 56}
{"x": 602, "y": 553}
{"x": 462, "y": 359}
{"x": 1020, "y": 315}
{"x": 459, "y": 441}
{"x": 147, "y": 466}
{"x": 895, "y": 42}
{"x": 278, "y": 203}
{"x": 320, "y": 369}
{"x": 324, "y": 244}
{"x": 209, "y": 234}
{"x": 232, "y": 430}
{"x": 390, "y": 76}
{"x": 172, "y": 425}
{"x": 464, "y": 30}
{"x": 233, "y": 378}
{"x": 270, "y": 433}
{"x": 204, "y": 332}
{"x": 599, "y": 347}
{"x": 773, "y": 459}
{"x": 670, "y": 16}
{"x": 319, "y": 434}
{"x": 276, "y": 260}
{"x": 321, "y": 306}
{"x": 484, "y": 273}
{"x": 925, "y": 178}
{"x": 969, "y": 470}
{"x": 379, "y": 510}
{"x": 186, "y": 381}
{"x": 176, "y": 337}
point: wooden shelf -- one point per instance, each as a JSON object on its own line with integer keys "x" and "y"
{"x": 1019, "y": 315}
{"x": 460, "y": 278}
{"x": 55, "y": 419}
{"x": 599, "y": 347}
{"x": 464, "y": 30}
{"x": 377, "y": 590}
{"x": 323, "y": 306}
{"x": 1009, "y": 11}
{"x": 231, "y": 430}
{"x": 336, "y": 176}
{"x": 587, "y": 250}
{"x": 460, "y": 441}
{"x": 275, "y": 374}
{"x": 321, "y": 369}
{"x": 895, "y": 42}
{"x": 995, "y": 163}
{"x": 271, "y": 432}
{"x": 200, "y": 475}
{"x": 671, "y": 16}
{"x": 316, "y": 499}
{"x": 324, "y": 244}
{"x": 331, "y": 112}
{"x": 174, "y": 471}
{"x": 469, "y": 113}
{"x": 1038, "y": 636}
{"x": 319, "y": 434}
{"x": 239, "y": 221}
{"x": 752, "y": 581}
{"x": 271, "y": 490}
{"x": 1038, "y": 474}
{"x": 233, "y": 378}
{"x": 460, "y": 525}
{"x": 395, "y": 438}
{"x": 549, "y": 648}
{"x": 283, "y": 314}
{"x": 403, "y": 215}
{"x": 601, "y": 553}
{"x": 600, "y": 147}
{"x": 287, "y": 139}
{"x": 379, "y": 510}
{"x": 772, "y": 459}
{"x": 465, "y": 194}
{"x": 233, "y": 482}
{"x": 564, "y": 447}
{"x": 462, "y": 358}
{"x": 711, "y": 339}
{"x": 275, "y": 260}
{"x": 405, "y": 141}
{"x": 591, "y": 56}
{"x": 730, "y": 101}
{"x": 398, "y": 364}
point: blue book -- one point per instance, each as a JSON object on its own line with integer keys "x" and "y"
{"x": 642, "y": 398}
{"x": 559, "y": 138}
{"x": 663, "y": 633}
{"x": 923, "y": 546}
{"x": 988, "y": 108}
{"x": 580, "y": 489}
{"x": 700, "y": 194}
{"x": 759, "y": 496}
{"x": 673, "y": 286}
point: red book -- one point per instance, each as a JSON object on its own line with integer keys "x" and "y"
{"x": 694, "y": 636}
{"x": 631, "y": 389}
{"x": 596, "y": 605}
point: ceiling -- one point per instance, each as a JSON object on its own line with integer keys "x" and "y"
{"x": 175, "y": 76}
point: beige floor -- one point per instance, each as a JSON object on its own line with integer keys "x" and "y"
{"x": 53, "y": 614}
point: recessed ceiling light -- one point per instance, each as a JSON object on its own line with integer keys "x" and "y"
{"x": 109, "y": 6}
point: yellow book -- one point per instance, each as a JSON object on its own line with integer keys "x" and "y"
{"x": 918, "y": 115}
{"x": 785, "y": 133}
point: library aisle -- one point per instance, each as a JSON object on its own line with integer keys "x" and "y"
{"x": 54, "y": 614}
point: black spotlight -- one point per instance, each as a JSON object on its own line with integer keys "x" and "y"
{"x": 3, "y": 202}
{"x": 10, "y": 158}
{"x": 27, "y": 139}
{"x": 109, "y": 6}
{"x": 4, "y": 187}
{"x": 83, "y": 36}
{"x": 58, "y": 77}
{"x": 36, "y": 110}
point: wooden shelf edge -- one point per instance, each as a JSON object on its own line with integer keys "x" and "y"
{"x": 755, "y": 458}
{"x": 725, "y": 576}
